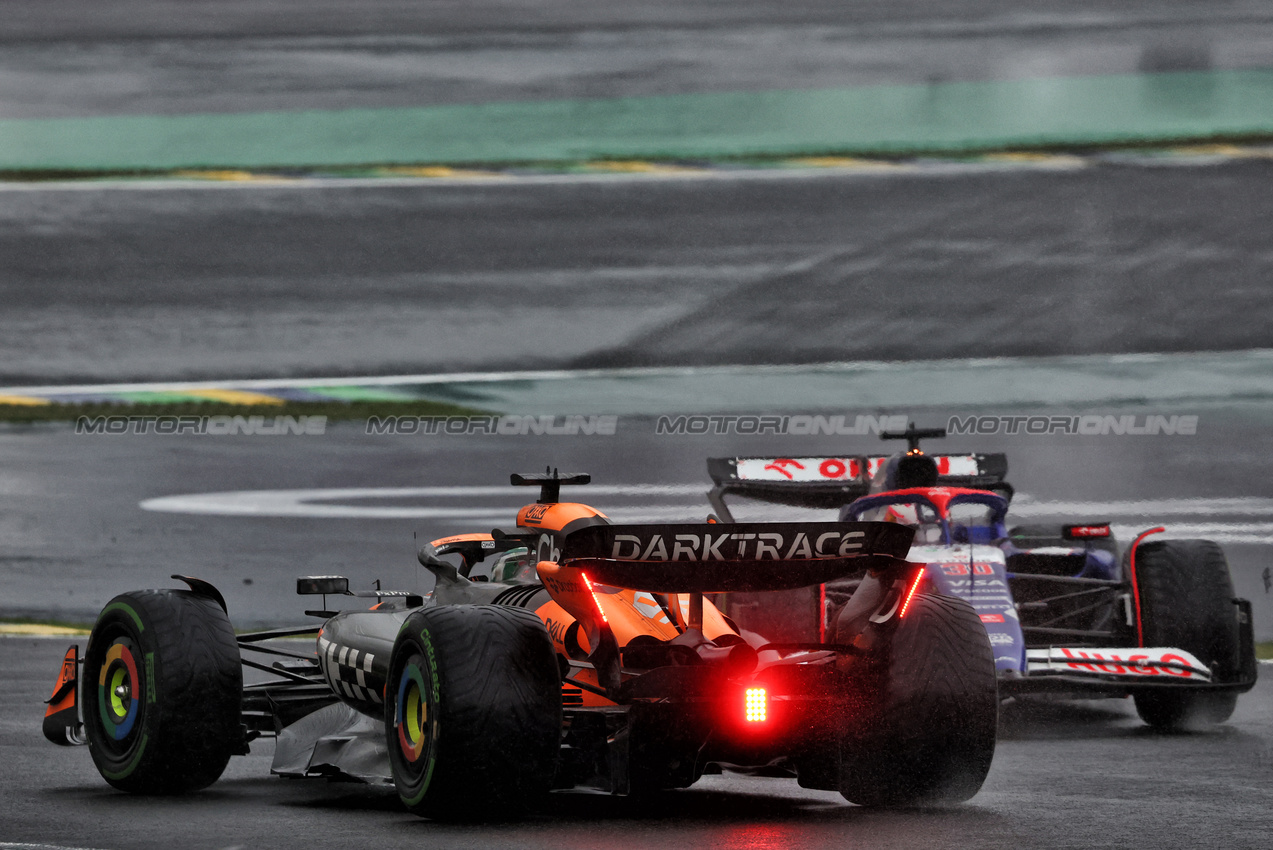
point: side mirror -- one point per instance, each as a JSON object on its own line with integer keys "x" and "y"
{"x": 321, "y": 585}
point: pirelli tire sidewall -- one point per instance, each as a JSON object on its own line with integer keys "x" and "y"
{"x": 473, "y": 712}
{"x": 927, "y": 720}
{"x": 1186, "y": 601}
{"x": 162, "y": 692}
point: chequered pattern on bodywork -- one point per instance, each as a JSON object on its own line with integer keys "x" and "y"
{"x": 346, "y": 670}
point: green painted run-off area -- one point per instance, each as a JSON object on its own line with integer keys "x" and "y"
{"x": 940, "y": 117}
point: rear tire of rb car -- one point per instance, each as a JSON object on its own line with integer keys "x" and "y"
{"x": 1186, "y": 601}
{"x": 473, "y": 712}
{"x": 924, "y": 733}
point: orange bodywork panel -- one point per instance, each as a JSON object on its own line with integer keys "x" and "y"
{"x": 628, "y": 612}
{"x": 579, "y": 610}
{"x": 554, "y": 516}
{"x": 61, "y": 719}
{"x": 459, "y": 538}
{"x": 64, "y": 694}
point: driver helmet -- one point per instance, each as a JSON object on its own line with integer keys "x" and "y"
{"x": 902, "y": 472}
{"x": 514, "y": 565}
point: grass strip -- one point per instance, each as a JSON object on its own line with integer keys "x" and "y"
{"x": 40, "y": 628}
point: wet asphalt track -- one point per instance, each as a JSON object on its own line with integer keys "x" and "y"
{"x": 218, "y": 282}
{"x": 1078, "y": 775}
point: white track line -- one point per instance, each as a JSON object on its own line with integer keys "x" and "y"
{"x": 1241, "y": 506}
{"x": 344, "y": 502}
{"x": 1237, "y": 535}
{"x": 308, "y": 503}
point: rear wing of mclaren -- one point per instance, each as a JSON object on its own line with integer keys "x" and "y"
{"x": 832, "y": 482}
{"x": 709, "y": 557}
{"x": 731, "y": 557}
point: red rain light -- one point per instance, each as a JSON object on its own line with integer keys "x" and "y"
{"x": 756, "y": 704}
{"x": 588, "y": 584}
{"x": 919, "y": 576}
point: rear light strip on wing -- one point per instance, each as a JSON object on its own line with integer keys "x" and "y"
{"x": 910, "y": 593}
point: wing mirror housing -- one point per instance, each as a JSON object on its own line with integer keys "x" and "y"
{"x": 321, "y": 585}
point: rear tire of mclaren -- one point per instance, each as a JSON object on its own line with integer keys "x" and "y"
{"x": 473, "y": 712}
{"x": 925, "y": 733}
{"x": 1186, "y": 601}
{"x": 162, "y": 692}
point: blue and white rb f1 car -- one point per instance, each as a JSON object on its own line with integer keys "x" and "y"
{"x": 1065, "y": 612}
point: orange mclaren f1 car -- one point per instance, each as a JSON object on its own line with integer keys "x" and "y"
{"x": 567, "y": 652}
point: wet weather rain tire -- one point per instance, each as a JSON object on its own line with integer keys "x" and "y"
{"x": 473, "y": 712}
{"x": 1186, "y": 601}
{"x": 925, "y": 734}
{"x": 162, "y": 692}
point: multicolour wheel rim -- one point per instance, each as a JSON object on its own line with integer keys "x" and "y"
{"x": 117, "y": 690}
{"x": 413, "y": 713}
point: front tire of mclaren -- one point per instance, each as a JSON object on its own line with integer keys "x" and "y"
{"x": 924, "y": 733}
{"x": 473, "y": 712}
{"x": 162, "y": 692}
{"x": 1186, "y": 601}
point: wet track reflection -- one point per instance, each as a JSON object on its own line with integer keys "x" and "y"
{"x": 1082, "y": 774}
